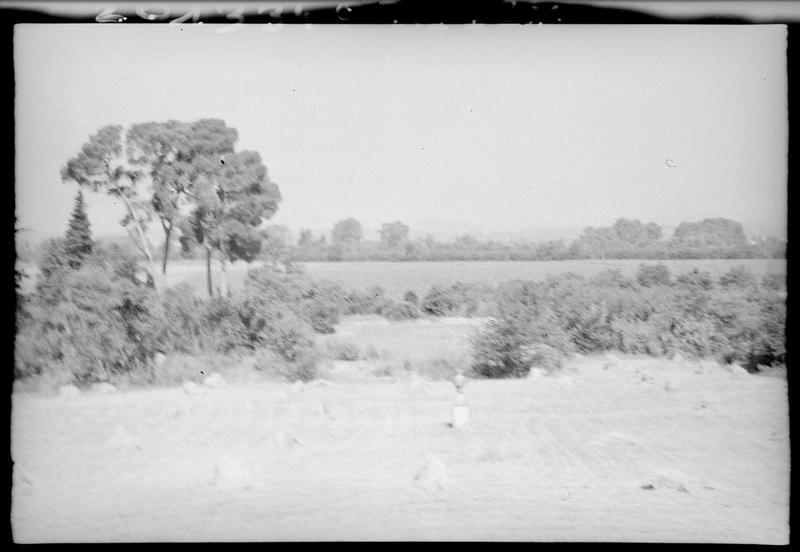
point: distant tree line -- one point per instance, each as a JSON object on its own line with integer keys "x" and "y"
{"x": 717, "y": 238}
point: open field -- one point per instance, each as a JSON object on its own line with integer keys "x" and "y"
{"x": 412, "y": 340}
{"x": 397, "y": 278}
{"x": 596, "y": 454}
{"x": 631, "y": 450}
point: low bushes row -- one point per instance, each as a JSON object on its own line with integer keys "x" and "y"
{"x": 735, "y": 319}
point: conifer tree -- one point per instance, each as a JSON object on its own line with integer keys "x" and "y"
{"x": 78, "y": 240}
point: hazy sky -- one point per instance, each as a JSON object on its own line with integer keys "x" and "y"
{"x": 500, "y": 127}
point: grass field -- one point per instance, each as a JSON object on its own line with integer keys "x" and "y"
{"x": 397, "y": 278}
{"x": 646, "y": 450}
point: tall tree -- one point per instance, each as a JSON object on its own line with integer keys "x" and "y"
{"x": 346, "y": 232}
{"x": 101, "y": 166}
{"x": 78, "y": 241}
{"x": 168, "y": 152}
{"x": 394, "y": 234}
{"x": 233, "y": 196}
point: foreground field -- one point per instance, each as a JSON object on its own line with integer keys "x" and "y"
{"x": 636, "y": 450}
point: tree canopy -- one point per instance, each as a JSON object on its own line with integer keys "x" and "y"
{"x": 346, "y": 232}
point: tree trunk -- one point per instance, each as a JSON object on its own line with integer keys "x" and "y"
{"x": 168, "y": 233}
{"x": 208, "y": 272}
{"x": 223, "y": 278}
{"x": 139, "y": 237}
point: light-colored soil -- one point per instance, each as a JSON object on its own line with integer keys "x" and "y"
{"x": 642, "y": 450}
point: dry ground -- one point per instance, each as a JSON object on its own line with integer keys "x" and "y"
{"x": 641, "y": 450}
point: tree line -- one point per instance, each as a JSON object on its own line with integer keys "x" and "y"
{"x": 716, "y": 238}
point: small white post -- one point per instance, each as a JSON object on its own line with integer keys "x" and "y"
{"x": 460, "y": 407}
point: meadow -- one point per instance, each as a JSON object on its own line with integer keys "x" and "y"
{"x": 610, "y": 450}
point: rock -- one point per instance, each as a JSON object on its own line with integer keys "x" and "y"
{"x": 677, "y": 357}
{"x": 69, "y": 392}
{"x": 191, "y": 388}
{"x": 104, "y": 388}
{"x": 670, "y": 386}
{"x": 298, "y": 385}
{"x": 215, "y": 381}
{"x": 432, "y": 474}
{"x": 232, "y": 474}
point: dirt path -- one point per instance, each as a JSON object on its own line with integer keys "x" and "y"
{"x": 642, "y": 451}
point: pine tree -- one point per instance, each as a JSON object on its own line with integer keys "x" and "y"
{"x": 78, "y": 240}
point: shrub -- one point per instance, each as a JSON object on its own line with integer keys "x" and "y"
{"x": 696, "y": 278}
{"x": 343, "y": 350}
{"x": 498, "y": 352}
{"x": 371, "y": 353}
{"x": 457, "y": 299}
{"x": 400, "y": 311}
{"x": 613, "y": 278}
{"x": 653, "y": 275}
{"x": 94, "y": 325}
{"x": 741, "y": 324}
{"x": 737, "y": 276}
{"x": 775, "y": 282}
{"x": 543, "y": 356}
{"x": 322, "y": 303}
{"x": 438, "y": 368}
{"x": 411, "y": 297}
{"x": 183, "y": 309}
{"x": 440, "y": 301}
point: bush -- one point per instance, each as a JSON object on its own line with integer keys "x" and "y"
{"x": 411, "y": 297}
{"x": 183, "y": 309}
{"x": 438, "y": 368}
{"x": 397, "y": 312}
{"x": 613, "y": 278}
{"x": 696, "y": 278}
{"x": 733, "y": 323}
{"x": 775, "y": 282}
{"x": 498, "y": 352}
{"x": 322, "y": 303}
{"x": 343, "y": 350}
{"x": 93, "y": 324}
{"x": 371, "y": 353}
{"x": 458, "y": 299}
{"x": 440, "y": 301}
{"x": 737, "y": 276}
{"x": 543, "y": 356}
{"x": 653, "y": 275}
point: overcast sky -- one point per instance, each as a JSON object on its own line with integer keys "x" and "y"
{"x": 497, "y": 127}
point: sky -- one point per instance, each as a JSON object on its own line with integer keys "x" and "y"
{"x": 498, "y": 128}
